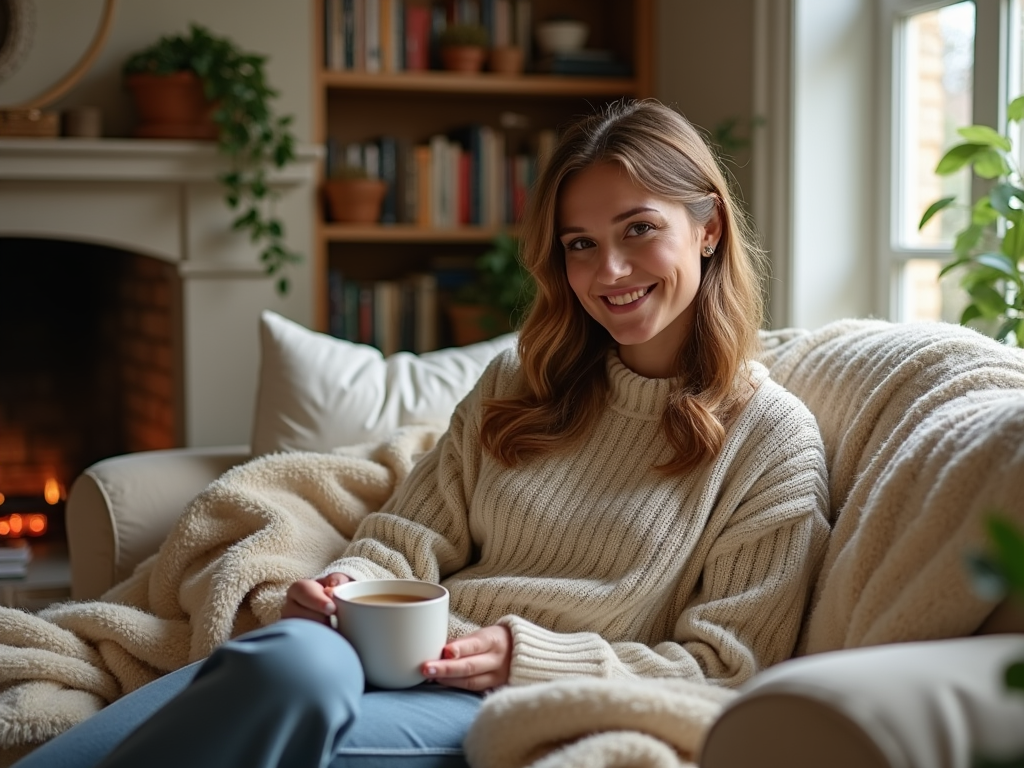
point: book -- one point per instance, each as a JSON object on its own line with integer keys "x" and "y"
{"x": 371, "y": 32}
{"x": 424, "y": 202}
{"x": 15, "y": 551}
{"x": 417, "y": 37}
{"x": 386, "y": 316}
{"x": 388, "y": 154}
{"x": 425, "y": 335}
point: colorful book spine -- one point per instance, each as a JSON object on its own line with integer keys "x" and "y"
{"x": 388, "y": 152}
{"x": 417, "y": 37}
{"x": 371, "y": 31}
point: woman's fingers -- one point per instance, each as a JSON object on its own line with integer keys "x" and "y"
{"x": 309, "y": 599}
{"x": 476, "y": 662}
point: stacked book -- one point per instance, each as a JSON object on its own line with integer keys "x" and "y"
{"x": 400, "y": 35}
{"x": 392, "y": 315}
{"x": 473, "y": 175}
{"x": 14, "y": 558}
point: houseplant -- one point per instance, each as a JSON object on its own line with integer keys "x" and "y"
{"x": 463, "y": 47}
{"x": 496, "y": 299}
{"x": 254, "y": 139}
{"x": 999, "y": 572}
{"x": 353, "y": 197}
{"x": 990, "y": 249}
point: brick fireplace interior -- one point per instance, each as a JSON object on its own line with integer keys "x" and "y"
{"x": 89, "y": 368}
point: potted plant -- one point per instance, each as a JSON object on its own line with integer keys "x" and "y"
{"x": 496, "y": 299}
{"x": 463, "y": 47}
{"x": 353, "y": 197}
{"x": 990, "y": 249}
{"x": 226, "y": 94}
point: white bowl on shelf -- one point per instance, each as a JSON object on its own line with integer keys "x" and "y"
{"x": 561, "y": 36}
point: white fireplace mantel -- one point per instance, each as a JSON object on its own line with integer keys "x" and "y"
{"x": 161, "y": 198}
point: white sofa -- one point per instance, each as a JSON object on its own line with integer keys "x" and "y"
{"x": 914, "y": 419}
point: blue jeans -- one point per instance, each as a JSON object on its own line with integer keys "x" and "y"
{"x": 290, "y": 695}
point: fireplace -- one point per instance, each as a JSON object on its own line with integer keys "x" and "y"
{"x": 166, "y": 347}
{"x": 89, "y": 368}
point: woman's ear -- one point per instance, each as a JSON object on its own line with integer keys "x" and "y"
{"x": 712, "y": 231}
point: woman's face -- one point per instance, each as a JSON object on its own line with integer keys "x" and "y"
{"x": 633, "y": 261}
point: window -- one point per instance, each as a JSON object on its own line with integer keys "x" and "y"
{"x": 951, "y": 64}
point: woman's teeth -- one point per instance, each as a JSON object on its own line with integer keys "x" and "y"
{"x": 627, "y": 298}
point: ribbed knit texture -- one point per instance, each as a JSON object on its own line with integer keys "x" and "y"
{"x": 602, "y": 566}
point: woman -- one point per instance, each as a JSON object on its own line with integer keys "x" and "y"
{"x": 626, "y": 495}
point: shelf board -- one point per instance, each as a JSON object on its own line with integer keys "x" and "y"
{"x": 434, "y": 81}
{"x": 406, "y": 233}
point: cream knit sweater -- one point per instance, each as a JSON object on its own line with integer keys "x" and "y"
{"x": 603, "y": 567}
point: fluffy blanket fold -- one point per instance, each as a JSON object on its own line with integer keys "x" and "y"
{"x": 223, "y": 569}
{"x": 922, "y": 427}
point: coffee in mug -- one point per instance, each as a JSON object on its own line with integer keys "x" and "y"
{"x": 395, "y": 625}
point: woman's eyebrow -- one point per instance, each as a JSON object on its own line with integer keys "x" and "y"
{"x": 615, "y": 220}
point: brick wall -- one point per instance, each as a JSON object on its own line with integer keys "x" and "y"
{"x": 88, "y": 361}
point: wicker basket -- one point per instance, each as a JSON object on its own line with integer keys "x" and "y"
{"x": 29, "y": 122}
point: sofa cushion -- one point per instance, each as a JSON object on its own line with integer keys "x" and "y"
{"x": 316, "y": 392}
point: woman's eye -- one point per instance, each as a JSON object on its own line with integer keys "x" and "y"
{"x": 639, "y": 228}
{"x": 578, "y": 244}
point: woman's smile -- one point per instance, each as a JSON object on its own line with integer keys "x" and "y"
{"x": 633, "y": 259}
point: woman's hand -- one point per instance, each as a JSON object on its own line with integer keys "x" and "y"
{"x": 309, "y": 599}
{"x": 477, "y": 662}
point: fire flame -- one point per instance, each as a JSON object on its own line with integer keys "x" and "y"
{"x": 52, "y": 491}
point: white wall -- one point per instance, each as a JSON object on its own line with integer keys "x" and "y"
{"x": 833, "y": 161}
{"x": 222, "y": 326}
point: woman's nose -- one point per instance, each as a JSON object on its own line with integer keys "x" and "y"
{"x": 612, "y": 265}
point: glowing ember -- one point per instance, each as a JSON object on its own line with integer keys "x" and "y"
{"x": 5, "y": 528}
{"x": 51, "y": 491}
{"x": 17, "y": 524}
{"x": 36, "y": 524}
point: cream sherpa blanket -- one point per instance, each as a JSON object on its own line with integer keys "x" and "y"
{"x": 223, "y": 569}
{"x": 924, "y": 433}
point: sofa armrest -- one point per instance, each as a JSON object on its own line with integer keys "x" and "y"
{"x": 120, "y": 509}
{"x": 932, "y": 704}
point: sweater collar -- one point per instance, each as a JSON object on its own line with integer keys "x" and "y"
{"x": 635, "y": 394}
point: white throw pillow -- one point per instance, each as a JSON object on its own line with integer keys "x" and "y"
{"x": 317, "y": 392}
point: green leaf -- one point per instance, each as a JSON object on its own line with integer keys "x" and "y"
{"x": 971, "y": 312}
{"x": 967, "y": 239}
{"x": 1013, "y": 325}
{"x": 991, "y": 164}
{"x": 1015, "y": 111}
{"x": 957, "y": 157}
{"x": 1011, "y": 245}
{"x": 1009, "y": 550}
{"x": 988, "y": 300}
{"x": 1015, "y": 675}
{"x": 982, "y": 134}
{"x": 953, "y": 265}
{"x": 934, "y": 208}
{"x": 983, "y": 213}
{"x": 1001, "y": 263}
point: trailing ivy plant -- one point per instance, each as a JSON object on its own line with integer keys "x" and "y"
{"x": 253, "y": 138}
{"x": 990, "y": 249}
{"x": 998, "y": 573}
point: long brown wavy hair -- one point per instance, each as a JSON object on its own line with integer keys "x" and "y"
{"x": 562, "y": 349}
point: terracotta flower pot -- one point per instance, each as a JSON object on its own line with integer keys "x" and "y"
{"x": 355, "y": 201}
{"x": 172, "y": 106}
{"x": 463, "y": 58}
{"x": 506, "y": 60}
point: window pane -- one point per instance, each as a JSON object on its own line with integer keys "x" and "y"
{"x": 938, "y": 75}
{"x": 926, "y": 296}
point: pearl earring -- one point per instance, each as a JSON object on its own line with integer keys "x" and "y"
{"x": 708, "y": 250}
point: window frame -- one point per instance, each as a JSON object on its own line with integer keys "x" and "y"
{"x": 997, "y": 68}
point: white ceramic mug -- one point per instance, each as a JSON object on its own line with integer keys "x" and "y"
{"x": 394, "y": 638}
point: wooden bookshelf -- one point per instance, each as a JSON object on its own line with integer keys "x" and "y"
{"x": 354, "y": 106}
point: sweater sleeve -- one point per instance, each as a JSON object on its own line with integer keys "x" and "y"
{"x": 753, "y": 588}
{"x": 422, "y": 531}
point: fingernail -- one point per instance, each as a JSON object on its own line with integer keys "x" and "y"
{"x": 330, "y": 608}
{"x": 431, "y": 671}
